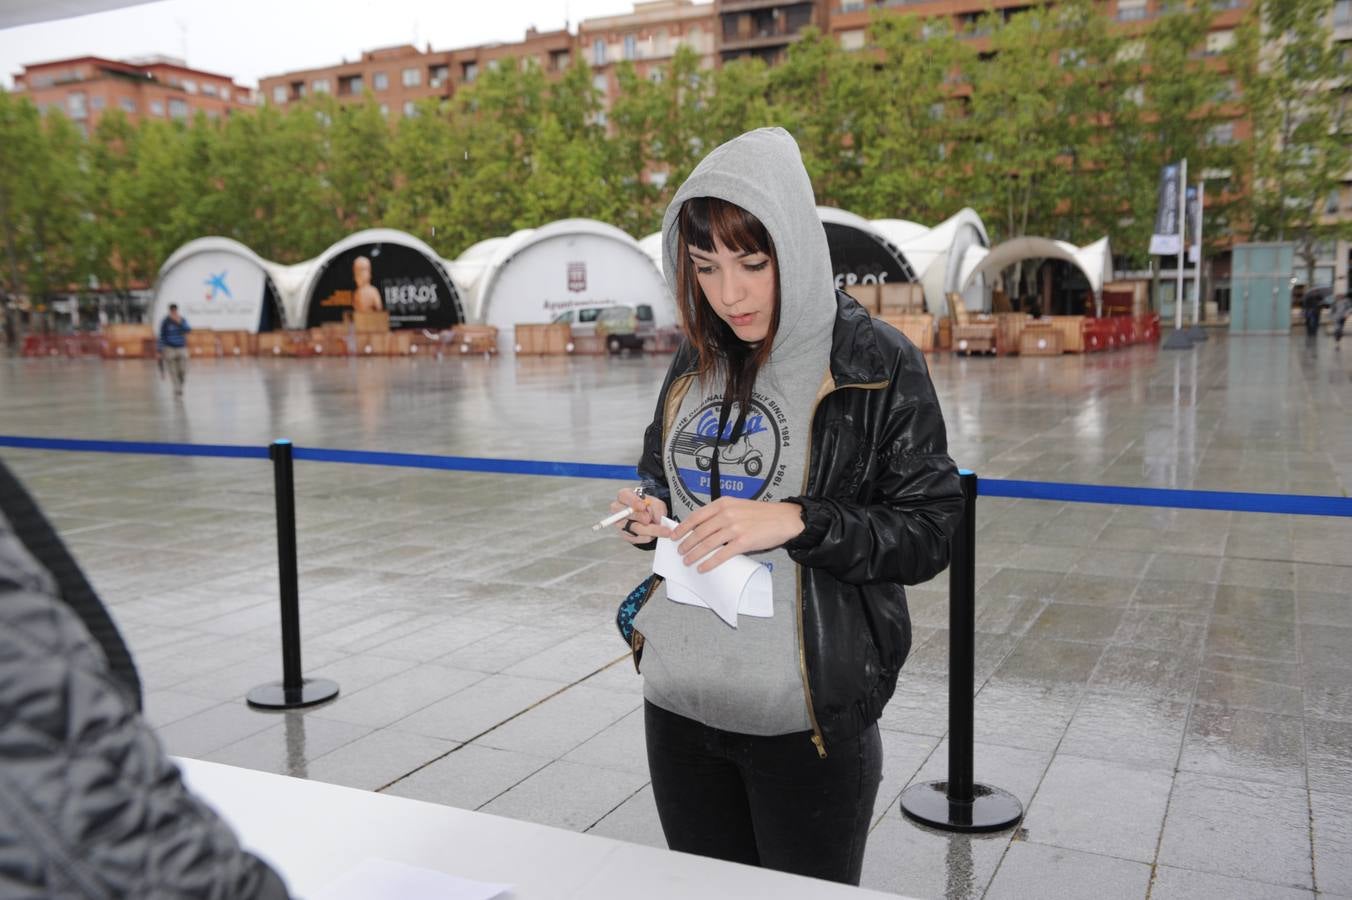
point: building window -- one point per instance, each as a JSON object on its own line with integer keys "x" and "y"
{"x": 853, "y": 39}
{"x": 1135, "y": 95}
{"x": 599, "y": 52}
{"x": 350, "y": 85}
{"x": 208, "y": 89}
{"x": 600, "y": 84}
{"x": 1331, "y": 207}
{"x": 380, "y": 81}
{"x": 437, "y": 75}
{"x": 1342, "y": 13}
{"x": 412, "y": 77}
{"x": 410, "y": 109}
{"x": 96, "y": 101}
{"x": 1218, "y": 42}
{"x": 75, "y": 105}
{"x": 558, "y": 60}
{"x": 385, "y": 110}
{"x": 469, "y": 71}
{"x": 178, "y": 109}
{"x": 225, "y": 93}
{"x": 320, "y": 86}
{"x": 630, "y": 46}
{"x": 1131, "y": 10}
{"x": 189, "y": 85}
{"x": 156, "y": 108}
{"x": 655, "y": 75}
{"x": 279, "y": 94}
{"x": 128, "y": 105}
{"x": 1221, "y": 135}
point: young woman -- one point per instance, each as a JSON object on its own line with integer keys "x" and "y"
{"x": 793, "y": 427}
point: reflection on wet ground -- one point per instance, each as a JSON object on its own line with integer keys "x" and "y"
{"x": 1168, "y": 691}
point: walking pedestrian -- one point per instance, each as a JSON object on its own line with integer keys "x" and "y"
{"x": 1342, "y": 308}
{"x": 174, "y": 347}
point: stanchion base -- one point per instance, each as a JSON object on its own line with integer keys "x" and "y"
{"x": 274, "y": 696}
{"x": 1177, "y": 340}
{"x": 991, "y": 810}
{"x": 1197, "y": 334}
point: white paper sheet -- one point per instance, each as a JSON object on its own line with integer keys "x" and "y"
{"x": 372, "y": 878}
{"x": 739, "y": 586}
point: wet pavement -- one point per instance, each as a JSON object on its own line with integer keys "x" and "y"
{"x": 1169, "y": 692}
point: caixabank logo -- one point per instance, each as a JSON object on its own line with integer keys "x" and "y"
{"x": 748, "y": 468}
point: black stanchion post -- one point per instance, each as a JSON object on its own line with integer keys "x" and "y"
{"x": 960, "y": 803}
{"x": 294, "y": 690}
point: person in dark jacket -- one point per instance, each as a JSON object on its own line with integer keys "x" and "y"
{"x": 90, "y": 806}
{"x": 795, "y": 428}
{"x": 173, "y": 346}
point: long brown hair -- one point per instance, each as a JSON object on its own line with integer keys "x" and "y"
{"x": 701, "y": 220}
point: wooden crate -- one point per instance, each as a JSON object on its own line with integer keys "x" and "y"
{"x": 1040, "y": 340}
{"x": 474, "y": 339}
{"x": 866, "y": 295}
{"x": 377, "y": 344}
{"x": 897, "y": 299}
{"x": 1008, "y": 327}
{"x": 919, "y": 329}
{"x": 128, "y": 331}
{"x": 530, "y": 339}
{"x": 203, "y": 342}
{"x": 589, "y": 345}
{"x": 1072, "y": 332}
{"x": 559, "y": 339}
{"x": 371, "y": 322}
{"x": 400, "y": 343}
{"x": 975, "y": 338}
{"x": 945, "y": 333}
{"x": 274, "y": 343}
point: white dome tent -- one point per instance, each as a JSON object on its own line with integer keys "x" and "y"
{"x": 652, "y": 246}
{"x": 534, "y": 276}
{"x": 414, "y": 284}
{"x": 1094, "y": 260}
{"x": 860, "y": 252}
{"x": 937, "y": 254}
{"x": 220, "y": 284}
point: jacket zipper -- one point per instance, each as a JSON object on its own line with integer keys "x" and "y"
{"x": 827, "y": 389}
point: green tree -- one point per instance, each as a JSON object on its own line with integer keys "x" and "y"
{"x": 22, "y": 148}
{"x": 1292, "y": 78}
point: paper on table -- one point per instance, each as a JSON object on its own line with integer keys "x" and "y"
{"x": 386, "y": 878}
{"x": 740, "y": 585}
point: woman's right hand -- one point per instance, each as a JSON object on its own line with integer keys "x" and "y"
{"x": 645, "y": 517}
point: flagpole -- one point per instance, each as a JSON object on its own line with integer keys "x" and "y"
{"x": 1182, "y": 242}
{"x": 1196, "y": 332}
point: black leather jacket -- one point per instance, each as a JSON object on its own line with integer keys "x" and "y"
{"x": 880, "y": 504}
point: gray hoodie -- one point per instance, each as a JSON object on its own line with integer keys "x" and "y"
{"x": 747, "y": 679}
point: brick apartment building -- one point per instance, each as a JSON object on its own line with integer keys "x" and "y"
{"x": 397, "y": 78}
{"x": 765, "y": 28}
{"x": 648, "y": 37}
{"x": 85, "y": 88}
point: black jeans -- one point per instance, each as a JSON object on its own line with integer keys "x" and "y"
{"x": 764, "y": 801}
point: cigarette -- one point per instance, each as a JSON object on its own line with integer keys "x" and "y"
{"x": 615, "y": 517}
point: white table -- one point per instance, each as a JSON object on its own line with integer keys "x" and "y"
{"x": 312, "y": 832}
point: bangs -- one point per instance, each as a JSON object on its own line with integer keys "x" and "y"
{"x": 705, "y": 218}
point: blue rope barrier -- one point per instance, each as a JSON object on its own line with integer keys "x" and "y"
{"x": 1168, "y": 498}
{"x": 145, "y": 448}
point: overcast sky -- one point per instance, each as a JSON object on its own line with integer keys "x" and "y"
{"x": 252, "y": 38}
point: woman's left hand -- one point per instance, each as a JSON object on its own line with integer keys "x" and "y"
{"x": 732, "y": 526}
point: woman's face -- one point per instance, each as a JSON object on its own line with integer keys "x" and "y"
{"x": 740, "y": 288}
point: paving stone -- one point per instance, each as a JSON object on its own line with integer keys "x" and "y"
{"x": 379, "y": 758}
{"x": 1055, "y": 873}
{"x": 1112, "y": 809}
{"x": 1246, "y": 829}
{"x": 567, "y": 795}
{"x": 469, "y": 777}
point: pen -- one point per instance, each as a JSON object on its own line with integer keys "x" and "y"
{"x": 622, "y": 514}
